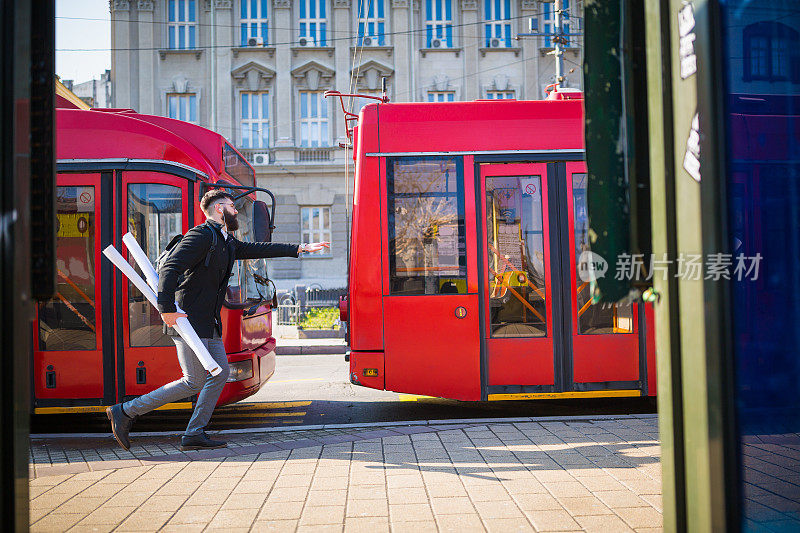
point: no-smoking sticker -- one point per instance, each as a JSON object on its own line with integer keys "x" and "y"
{"x": 85, "y": 199}
{"x": 530, "y": 186}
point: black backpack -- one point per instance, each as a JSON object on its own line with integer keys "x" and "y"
{"x": 162, "y": 257}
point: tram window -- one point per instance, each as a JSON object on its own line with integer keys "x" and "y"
{"x": 427, "y": 237}
{"x": 67, "y": 321}
{"x": 515, "y": 245}
{"x": 598, "y": 318}
{"x": 154, "y": 218}
{"x": 242, "y": 285}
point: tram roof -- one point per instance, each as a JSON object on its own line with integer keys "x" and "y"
{"x": 122, "y": 134}
{"x": 475, "y": 126}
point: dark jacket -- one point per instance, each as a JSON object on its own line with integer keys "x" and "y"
{"x": 202, "y": 290}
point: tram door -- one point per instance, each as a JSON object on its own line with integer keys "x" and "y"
{"x": 71, "y": 329}
{"x": 155, "y": 210}
{"x": 541, "y": 333}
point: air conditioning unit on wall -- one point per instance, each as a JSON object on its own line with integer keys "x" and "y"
{"x": 306, "y": 41}
{"x": 495, "y": 42}
{"x": 255, "y": 41}
{"x": 438, "y": 43}
{"x": 369, "y": 41}
{"x": 260, "y": 159}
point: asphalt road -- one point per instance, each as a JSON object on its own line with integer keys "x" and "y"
{"x": 315, "y": 389}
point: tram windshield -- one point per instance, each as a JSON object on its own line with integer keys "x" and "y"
{"x": 244, "y": 286}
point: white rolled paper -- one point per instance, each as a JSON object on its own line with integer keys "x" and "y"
{"x": 182, "y": 325}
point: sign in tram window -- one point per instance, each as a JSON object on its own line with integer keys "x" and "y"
{"x": 515, "y": 251}
{"x": 427, "y": 238}
{"x": 67, "y": 321}
{"x": 154, "y": 218}
{"x": 601, "y": 318}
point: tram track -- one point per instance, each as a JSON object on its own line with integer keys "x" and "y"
{"x": 253, "y": 415}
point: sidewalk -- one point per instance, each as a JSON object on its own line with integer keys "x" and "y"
{"x": 575, "y": 474}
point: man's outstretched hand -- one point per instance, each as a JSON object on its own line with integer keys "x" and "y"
{"x": 170, "y": 318}
{"x": 315, "y": 246}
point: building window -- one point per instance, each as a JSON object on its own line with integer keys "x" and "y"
{"x": 182, "y": 107}
{"x": 770, "y": 52}
{"x": 312, "y": 21}
{"x": 547, "y": 25}
{"x": 313, "y": 119}
{"x": 439, "y": 23}
{"x": 500, "y": 95}
{"x": 182, "y": 26}
{"x": 371, "y": 23}
{"x": 255, "y": 119}
{"x": 315, "y": 226}
{"x": 498, "y": 23}
{"x": 254, "y": 22}
{"x": 441, "y": 96}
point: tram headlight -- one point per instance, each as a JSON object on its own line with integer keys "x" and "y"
{"x": 240, "y": 370}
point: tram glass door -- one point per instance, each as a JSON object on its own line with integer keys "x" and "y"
{"x": 541, "y": 333}
{"x": 156, "y": 209}
{"x": 69, "y": 333}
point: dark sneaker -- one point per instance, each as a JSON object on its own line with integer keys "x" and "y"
{"x": 200, "y": 442}
{"x": 120, "y": 425}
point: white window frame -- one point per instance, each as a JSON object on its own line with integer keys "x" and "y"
{"x": 376, "y": 16}
{"x": 314, "y": 129}
{"x": 185, "y": 103}
{"x": 500, "y": 20}
{"x": 309, "y": 233}
{"x": 254, "y": 124}
{"x": 320, "y": 32}
{"x": 254, "y": 24}
{"x": 437, "y": 23}
{"x": 500, "y": 95}
{"x": 441, "y": 96}
{"x": 179, "y": 19}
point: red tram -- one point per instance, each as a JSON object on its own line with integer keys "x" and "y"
{"x": 99, "y": 341}
{"x": 468, "y": 221}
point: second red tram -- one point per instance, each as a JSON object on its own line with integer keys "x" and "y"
{"x": 99, "y": 341}
{"x": 468, "y": 223}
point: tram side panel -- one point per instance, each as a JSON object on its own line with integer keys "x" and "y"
{"x": 365, "y": 307}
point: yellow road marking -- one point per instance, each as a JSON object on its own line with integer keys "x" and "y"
{"x": 257, "y": 415}
{"x": 412, "y": 397}
{"x": 266, "y": 405}
{"x": 560, "y": 395}
{"x": 101, "y": 408}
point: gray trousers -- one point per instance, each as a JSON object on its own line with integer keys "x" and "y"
{"x": 195, "y": 380}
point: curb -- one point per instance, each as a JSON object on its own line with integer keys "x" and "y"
{"x": 311, "y": 350}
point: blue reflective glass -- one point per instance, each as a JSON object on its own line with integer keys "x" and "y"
{"x": 265, "y": 106}
{"x": 381, "y": 34}
{"x": 312, "y": 11}
{"x": 264, "y": 33}
{"x": 487, "y": 8}
{"x": 303, "y": 8}
{"x": 243, "y": 34}
{"x": 438, "y": 9}
{"x": 171, "y": 10}
{"x": 172, "y": 105}
{"x": 192, "y": 14}
{"x": 428, "y": 35}
{"x": 253, "y": 9}
{"x": 449, "y": 30}
{"x": 245, "y": 105}
{"x": 496, "y": 13}
{"x": 263, "y": 9}
{"x": 507, "y": 10}
{"x": 303, "y": 105}
{"x": 181, "y": 10}
{"x": 323, "y": 38}
{"x": 762, "y": 100}
{"x": 192, "y": 108}
{"x": 192, "y": 42}
{"x": 448, "y": 10}
{"x": 380, "y": 8}
{"x": 322, "y": 9}
{"x": 303, "y": 31}
{"x": 181, "y": 36}
{"x": 172, "y": 36}
{"x": 312, "y": 112}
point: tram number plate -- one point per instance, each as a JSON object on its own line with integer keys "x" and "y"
{"x": 370, "y": 372}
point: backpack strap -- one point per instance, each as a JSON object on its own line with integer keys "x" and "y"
{"x": 213, "y": 244}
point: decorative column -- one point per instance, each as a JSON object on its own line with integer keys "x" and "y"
{"x": 471, "y": 42}
{"x": 121, "y": 46}
{"x": 404, "y": 50}
{"x": 226, "y": 116}
{"x": 147, "y": 58}
{"x": 342, "y": 25}
{"x": 530, "y": 88}
{"x": 284, "y": 92}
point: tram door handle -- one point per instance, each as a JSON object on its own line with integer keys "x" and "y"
{"x": 141, "y": 374}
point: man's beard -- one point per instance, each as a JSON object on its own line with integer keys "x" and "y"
{"x": 231, "y": 222}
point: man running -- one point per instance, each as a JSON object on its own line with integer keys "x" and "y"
{"x": 204, "y": 261}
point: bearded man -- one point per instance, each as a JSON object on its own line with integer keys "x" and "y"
{"x": 195, "y": 273}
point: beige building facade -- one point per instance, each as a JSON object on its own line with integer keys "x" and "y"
{"x": 255, "y": 71}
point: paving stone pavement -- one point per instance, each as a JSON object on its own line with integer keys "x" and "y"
{"x": 591, "y": 474}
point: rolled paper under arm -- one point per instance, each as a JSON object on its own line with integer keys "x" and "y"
{"x": 142, "y": 260}
{"x": 182, "y": 325}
